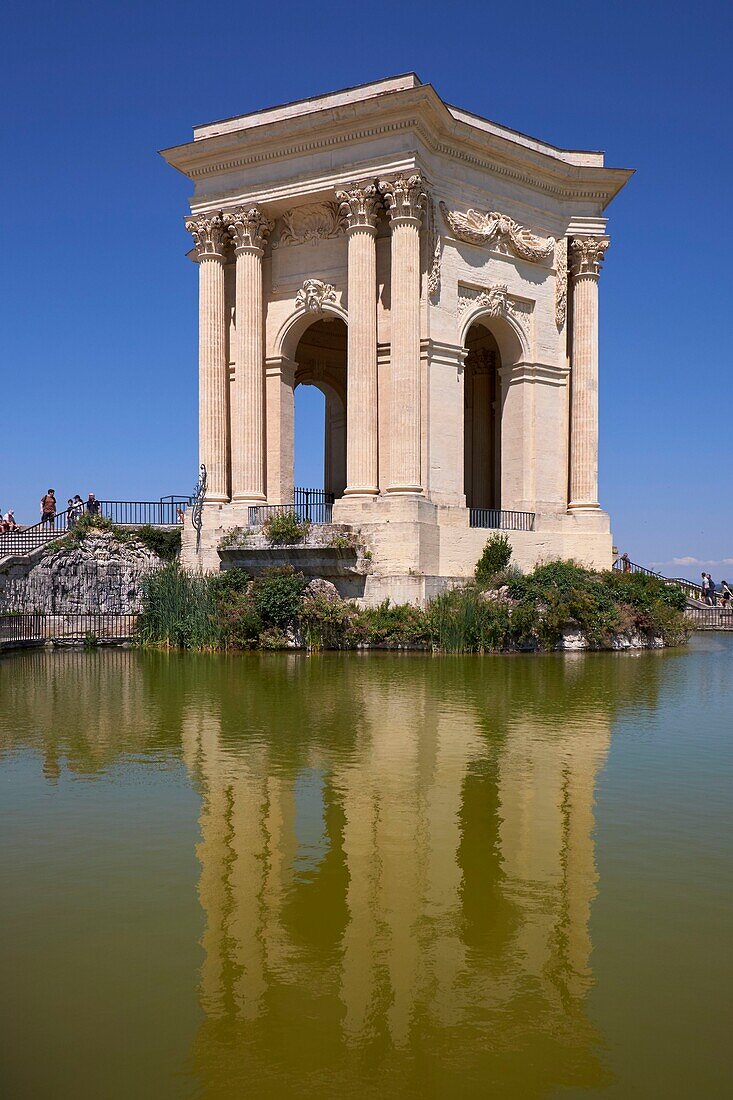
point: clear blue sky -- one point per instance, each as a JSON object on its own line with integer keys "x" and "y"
{"x": 98, "y": 335}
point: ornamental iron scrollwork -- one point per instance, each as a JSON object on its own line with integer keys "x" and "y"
{"x": 197, "y": 504}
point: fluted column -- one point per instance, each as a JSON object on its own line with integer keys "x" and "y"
{"x": 359, "y": 207}
{"x": 405, "y": 200}
{"x": 586, "y": 257}
{"x": 209, "y": 237}
{"x": 248, "y": 229}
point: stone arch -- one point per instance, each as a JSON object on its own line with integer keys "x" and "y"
{"x": 320, "y": 357}
{"x": 511, "y": 339}
{"x": 482, "y": 423}
{"x": 300, "y": 320}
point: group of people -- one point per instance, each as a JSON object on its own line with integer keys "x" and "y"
{"x": 7, "y": 521}
{"x": 709, "y": 592}
{"x": 75, "y": 508}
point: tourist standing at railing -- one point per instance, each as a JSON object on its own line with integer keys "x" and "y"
{"x": 625, "y": 563}
{"x": 48, "y": 507}
{"x": 77, "y": 508}
{"x": 7, "y": 523}
{"x": 92, "y": 505}
{"x": 725, "y": 594}
{"x": 704, "y": 587}
{"x": 712, "y": 599}
{"x": 70, "y": 512}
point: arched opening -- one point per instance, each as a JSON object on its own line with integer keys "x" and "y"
{"x": 321, "y": 429}
{"x": 482, "y": 419}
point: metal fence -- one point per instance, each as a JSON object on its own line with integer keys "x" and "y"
{"x": 39, "y": 627}
{"x": 692, "y": 591}
{"x": 309, "y": 505}
{"x": 496, "y": 519}
{"x": 124, "y": 513}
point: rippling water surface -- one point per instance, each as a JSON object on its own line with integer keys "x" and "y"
{"x": 366, "y": 876}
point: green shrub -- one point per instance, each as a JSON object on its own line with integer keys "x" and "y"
{"x": 277, "y": 596}
{"x": 326, "y": 624}
{"x": 237, "y": 536}
{"x": 163, "y": 541}
{"x": 495, "y": 557}
{"x": 390, "y": 624}
{"x": 284, "y": 528}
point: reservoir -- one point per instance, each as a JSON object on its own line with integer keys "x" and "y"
{"x": 366, "y": 875}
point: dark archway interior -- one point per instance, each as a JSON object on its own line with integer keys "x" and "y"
{"x": 321, "y": 362}
{"x": 482, "y": 420}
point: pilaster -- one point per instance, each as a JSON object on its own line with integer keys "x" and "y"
{"x": 280, "y": 436}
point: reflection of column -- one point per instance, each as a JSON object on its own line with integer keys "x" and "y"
{"x": 586, "y": 257}
{"x": 405, "y": 200}
{"x": 280, "y": 399}
{"x": 209, "y": 238}
{"x": 359, "y": 207}
{"x": 248, "y": 229}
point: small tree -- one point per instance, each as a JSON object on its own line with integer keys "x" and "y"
{"x": 495, "y": 558}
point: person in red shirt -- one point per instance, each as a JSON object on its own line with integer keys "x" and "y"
{"x": 48, "y": 507}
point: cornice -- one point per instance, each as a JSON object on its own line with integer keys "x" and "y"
{"x": 418, "y": 110}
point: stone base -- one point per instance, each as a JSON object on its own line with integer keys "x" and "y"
{"x": 419, "y": 548}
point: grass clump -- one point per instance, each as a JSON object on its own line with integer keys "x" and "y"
{"x": 495, "y": 558}
{"x": 180, "y": 610}
{"x": 285, "y": 529}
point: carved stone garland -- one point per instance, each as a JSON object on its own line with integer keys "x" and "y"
{"x": 561, "y": 282}
{"x": 314, "y": 294}
{"x": 494, "y": 227}
{"x": 436, "y": 254}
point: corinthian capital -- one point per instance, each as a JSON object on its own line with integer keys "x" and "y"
{"x": 586, "y": 255}
{"x": 359, "y": 205}
{"x": 209, "y": 235}
{"x": 248, "y": 228}
{"x": 404, "y": 197}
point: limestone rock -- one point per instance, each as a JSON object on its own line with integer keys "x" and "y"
{"x": 320, "y": 587}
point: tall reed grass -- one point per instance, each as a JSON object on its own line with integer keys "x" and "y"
{"x": 179, "y": 609}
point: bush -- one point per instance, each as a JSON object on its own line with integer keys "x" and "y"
{"x": 390, "y": 624}
{"x": 277, "y": 596}
{"x": 284, "y": 529}
{"x": 162, "y": 541}
{"x": 495, "y": 558}
{"x": 324, "y": 623}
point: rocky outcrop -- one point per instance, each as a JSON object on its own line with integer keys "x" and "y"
{"x": 101, "y": 573}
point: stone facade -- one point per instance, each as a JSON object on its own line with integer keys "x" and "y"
{"x": 436, "y": 276}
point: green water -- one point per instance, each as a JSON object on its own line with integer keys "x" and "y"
{"x": 366, "y": 875}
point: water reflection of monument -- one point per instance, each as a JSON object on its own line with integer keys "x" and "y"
{"x": 405, "y": 869}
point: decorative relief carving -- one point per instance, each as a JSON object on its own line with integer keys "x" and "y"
{"x": 493, "y": 227}
{"x": 404, "y": 197}
{"x": 561, "y": 282}
{"x": 307, "y": 224}
{"x": 481, "y": 360}
{"x": 587, "y": 255}
{"x": 314, "y": 294}
{"x": 359, "y": 205}
{"x": 494, "y": 299}
{"x": 209, "y": 234}
{"x": 248, "y": 228}
{"x": 435, "y": 254}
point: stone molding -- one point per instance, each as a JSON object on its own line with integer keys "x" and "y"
{"x": 546, "y": 373}
{"x": 308, "y": 224}
{"x": 359, "y": 206}
{"x": 209, "y": 235}
{"x": 314, "y": 295}
{"x": 248, "y": 228}
{"x": 404, "y": 198}
{"x": 473, "y": 227}
{"x": 561, "y": 282}
{"x": 587, "y": 255}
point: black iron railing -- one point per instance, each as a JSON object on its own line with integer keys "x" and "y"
{"x": 123, "y": 513}
{"x": 311, "y": 505}
{"x": 497, "y": 519}
{"x": 692, "y": 591}
{"x": 39, "y": 627}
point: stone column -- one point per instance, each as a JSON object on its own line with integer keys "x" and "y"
{"x": 586, "y": 257}
{"x": 280, "y": 420}
{"x": 359, "y": 206}
{"x": 405, "y": 199}
{"x": 209, "y": 237}
{"x": 248, "y": 230}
